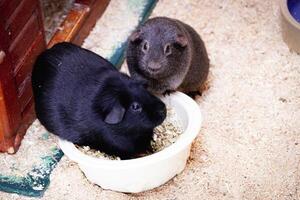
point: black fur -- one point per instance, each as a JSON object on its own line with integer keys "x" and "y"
{"x": 81, "y": 97}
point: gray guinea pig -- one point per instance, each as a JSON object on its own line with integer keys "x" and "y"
{"x": 169, "y": 55}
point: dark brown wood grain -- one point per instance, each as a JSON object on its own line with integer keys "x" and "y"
{"x": 24, "y": 40}
{"x": 4, "y": 121}
{"x": 24, "y": 68}
{"x": 10, "y": 105}
{"x": 20, "y": 17}
{"x": 87, "y": 2}
{"x": 71, "y": 25}
{"x": 79, "y": 22}
{"x": 7, "y": 7}
{"x": 25, "y": 93}
{"x": 19, "y": 42}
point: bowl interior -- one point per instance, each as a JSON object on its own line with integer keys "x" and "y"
{"x": 181, "y": 112}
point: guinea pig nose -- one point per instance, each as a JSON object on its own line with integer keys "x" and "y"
{"x": 154, "y": 66}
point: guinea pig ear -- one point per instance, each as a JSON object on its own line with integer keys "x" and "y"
{"x": 181, "y": 40}
{"x": 116, "y": 114}
{"x": 135, "y": 36}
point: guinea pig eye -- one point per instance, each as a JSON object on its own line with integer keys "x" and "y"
{"x": 167, "y": 49}
{"x": 136, "y": 107}
{"x": 145, "y": 46}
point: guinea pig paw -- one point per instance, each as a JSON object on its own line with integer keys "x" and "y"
{"x": 168, "y": 92}
{"x": 194, "y": 94}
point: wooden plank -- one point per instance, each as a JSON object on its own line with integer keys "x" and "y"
{"x": 9, "y": 108}
{"x": 40, "y": 18}
{"x": 86, "y": 2}
{"x": 25, "y": 67}
{"x": 24, "y": 40}
{"x": 7, "y": 8}
{"x": 28, "y": 114}
{"x": 16, "y": 112}
{"x": 29, "y": 110}
{"x": 71, "y": 24}
{"x": 25, "y": 92}
{"x": 12, "y": 144}
{"x": 97, "y": 8}
{"x": 18, "y": 19}
{"x": 4, "y": 121}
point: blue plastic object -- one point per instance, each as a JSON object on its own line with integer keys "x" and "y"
{"x": 294, "y": 8}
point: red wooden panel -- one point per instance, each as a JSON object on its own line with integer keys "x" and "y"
{"x": 7, "y": 7}
{"x": 28, "y": 117}
{"x": 25, "y": 67}
{"x": 23, "y": 22}
{"x": 4, "y": 121}
{"x": 24, "y": 40}
{"x": 19, "y": 18}
{"x": 40, "y": 21}
{"x": 79, "y": 21}
{"x": 85, "y": 2}
{"x": 25, "y": 92}
{"x": 29, "y": 110}
{"x": 71, "y": 25}
{"x": 9, "y": 108}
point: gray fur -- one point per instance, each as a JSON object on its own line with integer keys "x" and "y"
{"x": 185, "y": 69}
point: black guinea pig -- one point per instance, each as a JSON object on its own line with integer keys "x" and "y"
{"x": 83, "y": 98}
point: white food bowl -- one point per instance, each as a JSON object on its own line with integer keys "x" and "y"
{"x": 140, "y": 174}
